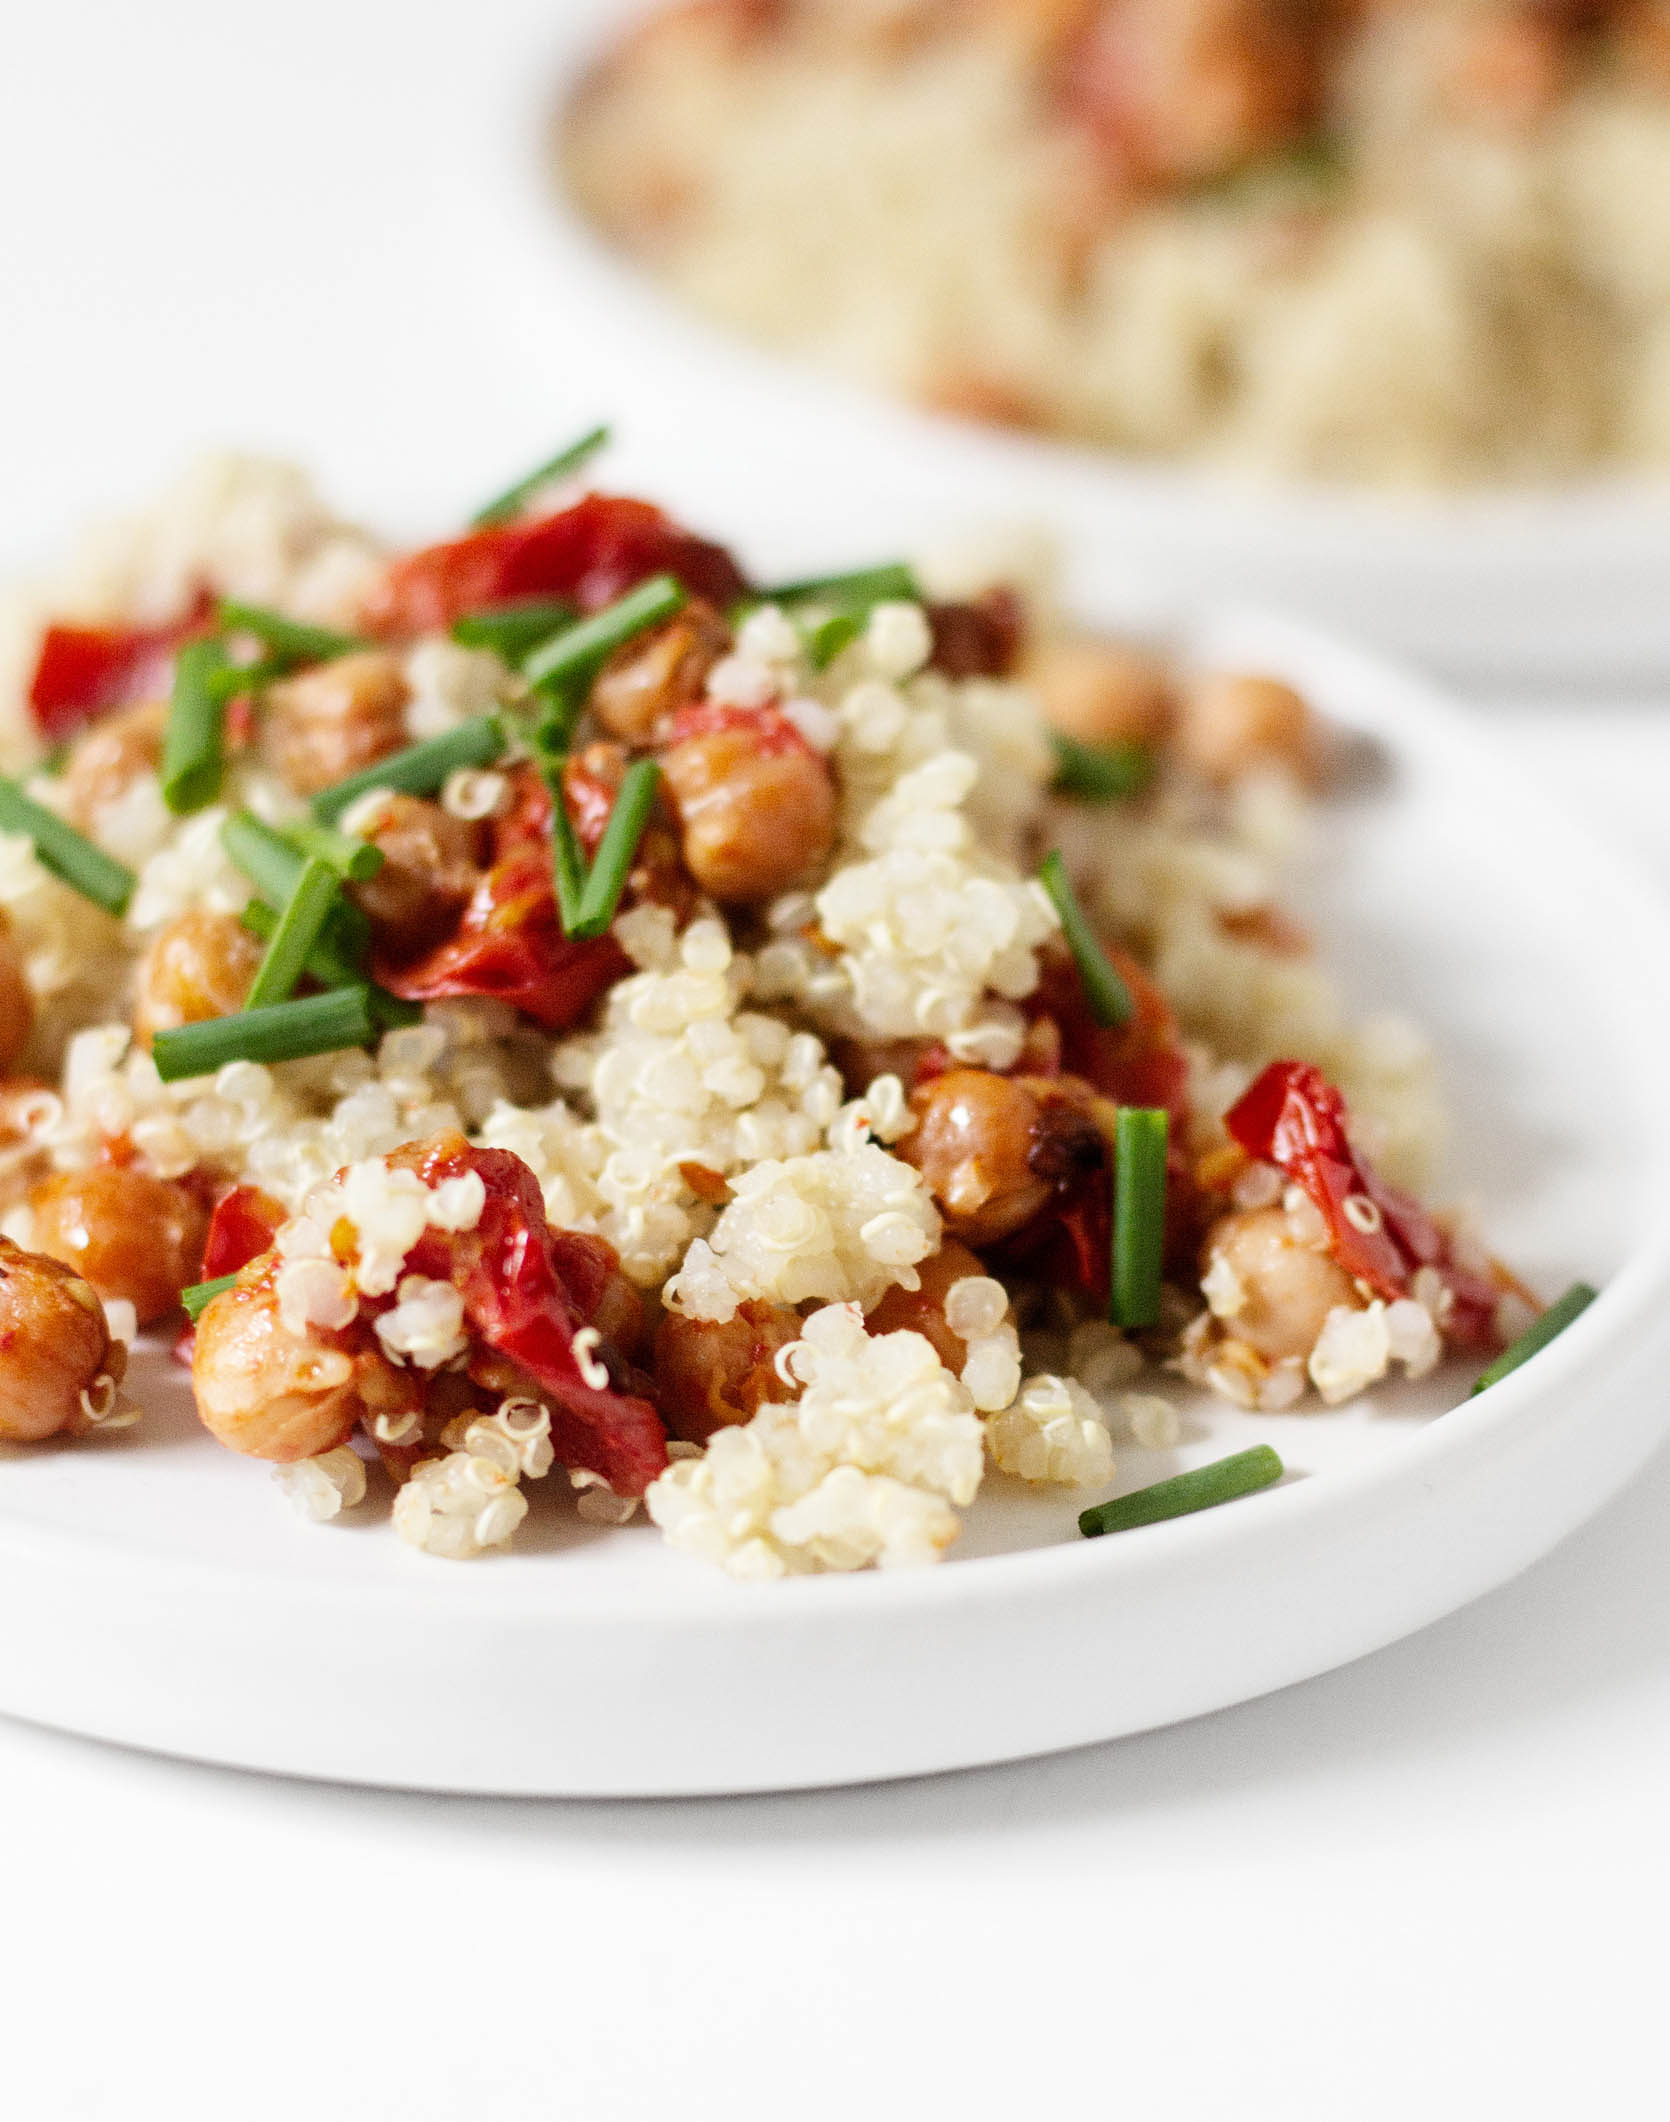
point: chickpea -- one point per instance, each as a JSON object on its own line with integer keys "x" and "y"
{"x": 1508, "y": 68}
{"x": 922, "y": 1311}
{"x": 645, "y": 683}
{"x": 756, "y": 816}
{"x": 709, "y": 1376}
{"x": 1287, "y": 1287}
{"x": 54, "y": 1346}
{"x": 995, "y": 1150}
{"x": 264, "y": 1390}
{"x": 107, "y": 759}
{"x": 331, "y": 722}
{"x": 17, "y": 1002}
{"x": 23, "y": 1160}
{"x": 199, "y": 966}
{"x": 431, "y": 867}
{"x": 1230, "y": 726}
{"x": 1102, "y": 692}
{"x": 128, "y": 1233}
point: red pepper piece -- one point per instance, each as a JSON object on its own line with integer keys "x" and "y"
{"x": 527, "y": 1291}
{"x": 978, "y": 640}
{"x": 1139, "y": 1063}
{"x": 242, "y": 1228}
{"x": 591, "y": 553}
{"x": 84, "y": 671}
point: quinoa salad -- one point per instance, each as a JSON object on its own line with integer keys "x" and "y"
{"x": 769, "y": 1057}
{"x": 1402, "y": 242}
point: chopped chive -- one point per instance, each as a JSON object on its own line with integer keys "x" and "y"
{"x": 824, "y": 639}
{"x": 1108, "y": 996}
{"x": 618, "y": 848}
{"x": 327, "y": 965}
{"x": 274, "y": 864}
{"x": 288, "y": 1031}
{"x": 356, "y": 861}
{"x": 568, "y": 864}
{"x": 1536, "y": 1337}
{"x": 68, "y": 854}
{"x": 1242, "y": 1474}
{"x": 562, "y": 466}
{"x": 1101, "y": 773}
{"x": 299, "y": 925}
{"x": 230, "y": 679}
{"x": 578, "y": 652}
{"x": 192, "y": 762}
{"x": 287, "y": 639}
{"x": 510, "y": 630}
{"x": 201, "y": 1295}
{"x": 892, "y": 582}
{"x": 1139, "y": 1213}
{"x": 418, "y": 771}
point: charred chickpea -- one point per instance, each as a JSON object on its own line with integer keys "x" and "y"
{"x": 431, "y": 867}
{"x": 107, "y": 759}
{"x": 1231, "y": 726}
{"x": 17, "y": 1002}
{"x": 199, "y": 966}
{"x": 265, "y": 1390}
{"x": 125, "y": 1231}
{"x": 922, "y": 1311}
{"x": 711, "y": 1375}
{"x": 756, "y": 807}
{"x": 1285, "y": 1287}
{"x": 994, "y": 1150}
{"x": 333, "y": 721}
{"x": 1102, "y": 692}
{"x": 646, "y": 681}
{"x": 54, "y": 1347}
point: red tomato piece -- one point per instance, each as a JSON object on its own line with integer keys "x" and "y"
{"x": 82, "y": 672}
{"x": 591, "y": 553}
{"x": 242, "y": 1228}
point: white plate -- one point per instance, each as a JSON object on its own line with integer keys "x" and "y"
{"x": 159, "y": 1591}
{"x": 1537, "y": 587}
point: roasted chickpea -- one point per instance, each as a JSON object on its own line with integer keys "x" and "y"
{"x": 1102, "y": 692}
{"x": 709, "y": 1376}
{"x": 756, "y": 809}
{"x": 331, "y": 722}
{"x": 17, "y": 1002}
{"x": 106, "y": 760}
{"x": 127, "y": 1232}
{"x": 264, "y": 1390}
{"x": 431, "y": 867}
{"x": 199, "y": 966}
{"x": 995, "y": 1150}
{"x": 645, "y": 682}
{"x": 922, "y": 1311}
{"x": 1285, "y": 1286}
{"x": 1231, "y": 726}
{"x": 1508, "y": 67}
{"x": 54, "y": 1347}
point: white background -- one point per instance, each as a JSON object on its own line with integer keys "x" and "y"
{"x": 1432, "y": 1884}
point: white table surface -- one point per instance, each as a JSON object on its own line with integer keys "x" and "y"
{"x": 1431, "y": 1884}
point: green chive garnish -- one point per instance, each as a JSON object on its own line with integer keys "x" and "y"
{"x": 274, "y": 864}
{"x": 510, "y": 630}
{"x": 287, "y": 639}
{"x": 227, "y": 680}
{"x": 289, "y": 1031}
{"x": 1108, "y": 996}
{"x": 356, "y": 861}
{"x": 326, "y": 964}
{"x": 618, "y": 848}
{"x": 563, "y": 465}
{"x": 1139, "y": 1213}
{"x": 61, "y": 849}
{"x": 418, "y": 771}
{"x": 579, "y": 651}
{"x": 1101, "y": 773}
{"x": 888, "y": 584}
{"x": 824, "y": 639}
{"x": 1243, "y": 1474}
{"x": 201, "y": 1295}
{"x": 1553, "y": 1322}
{"x": 299, "y": 925}
{"x": 191, "y": 745}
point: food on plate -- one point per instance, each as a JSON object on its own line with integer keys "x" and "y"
{"x": 548, "y": 1000}
{"x": 1396, "y": 241}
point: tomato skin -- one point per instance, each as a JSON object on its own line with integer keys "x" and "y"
{"x": 593, "y": 553}
{"x": 244, "y": 1224}
{"x": 83, "y": 672}
{"x": 527, "y": 1291}
{"x": 1294, "y": 1118}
